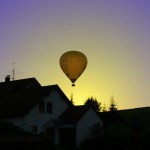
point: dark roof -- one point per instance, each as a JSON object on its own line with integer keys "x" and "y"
{"x": 73, "y": 114}
{"x": 9, "y": 87}
{"x": 20, "y": 102}
{"x": 19, "y": 84}
{"x": 58, "y": 89}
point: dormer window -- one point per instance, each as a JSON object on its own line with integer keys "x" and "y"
{"x": 49, "y": 108}
{"x": 45, "y": 107}
{"x": 41, "y": 107}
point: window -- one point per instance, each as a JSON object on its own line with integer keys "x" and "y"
{"x": 49, "y": 108}
{"x": 41, "y": 107}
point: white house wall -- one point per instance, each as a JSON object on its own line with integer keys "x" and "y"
{"x": 82, "y": 128}
{"x": 39, "y": 119}
{"x": 34, "y": 118}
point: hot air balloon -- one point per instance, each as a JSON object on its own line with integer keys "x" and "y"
{"x": 73, "y": 64}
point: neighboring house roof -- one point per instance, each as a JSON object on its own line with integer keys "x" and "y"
{"x": 19, "y": 102}
{"x": 73, "y": 114}
{"x": 19, "y": 84}
{"x": 8, "y": 87}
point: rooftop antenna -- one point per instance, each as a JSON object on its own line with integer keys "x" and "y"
{"x": 13, "y": 72}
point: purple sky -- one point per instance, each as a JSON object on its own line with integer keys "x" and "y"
{"x": 113, "y": 34}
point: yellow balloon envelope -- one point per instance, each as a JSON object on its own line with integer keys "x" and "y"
{"x": 73, "y": 64}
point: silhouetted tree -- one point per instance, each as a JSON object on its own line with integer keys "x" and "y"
{"x": 94, "y": 103}
{"x": 104, "y": 108}
{"x": 113, "y": 115}
{"x": 71, "y": 98}
{"x": 96, "y": 131}
{"x": 113, "y": 105}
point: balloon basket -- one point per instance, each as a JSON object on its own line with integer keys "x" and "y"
{"x": 73, "y": 84}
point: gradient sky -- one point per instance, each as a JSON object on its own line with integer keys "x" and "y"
{"x": 113, "y": 34}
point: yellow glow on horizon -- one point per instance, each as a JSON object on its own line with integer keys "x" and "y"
{"x": 111, "y": 70}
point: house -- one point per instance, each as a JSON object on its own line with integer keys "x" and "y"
{"x": 46, "y": 110}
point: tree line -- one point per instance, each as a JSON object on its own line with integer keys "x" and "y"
{"x": 97, "y": 106}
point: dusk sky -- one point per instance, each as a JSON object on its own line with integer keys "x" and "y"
{"x": 113, "y": 34}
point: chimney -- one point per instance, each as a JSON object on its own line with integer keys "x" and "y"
{"x": 7, "y": 78}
